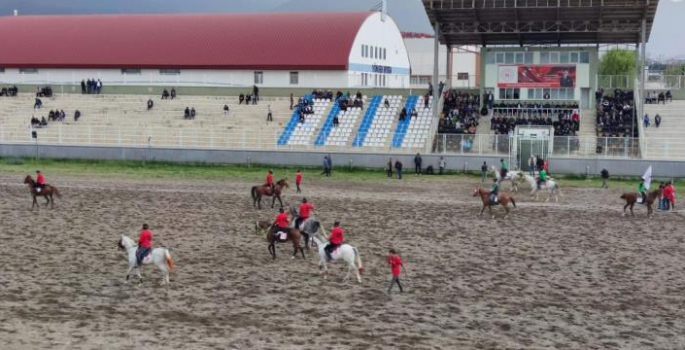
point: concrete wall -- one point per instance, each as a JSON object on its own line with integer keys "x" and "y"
{"x": 464, "y": 60}
{"x": 618, "y": 167}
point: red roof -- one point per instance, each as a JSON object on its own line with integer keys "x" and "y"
{"x": 283, "y": 41}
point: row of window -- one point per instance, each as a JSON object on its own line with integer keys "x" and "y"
{"x": 378, "y": 79}
{"x": 374, "y": 52}
{"x": 545, "y": 57}
{"x": 426, "y": 79}
{"x": 538, "y": 94}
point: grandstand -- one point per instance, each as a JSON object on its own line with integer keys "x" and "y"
{"x": 125, "y": 120}
{"x": 666, "y": 141}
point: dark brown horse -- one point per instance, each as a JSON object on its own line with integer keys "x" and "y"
{"x": 631, "y": 199}
{"x": 47, "y": 191}
{"x": 293, "y": 235}
{"x": 259, "y": 191}
{"x": 503, "y": 199}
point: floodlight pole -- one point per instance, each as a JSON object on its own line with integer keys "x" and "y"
{"x": 643, "y": 54}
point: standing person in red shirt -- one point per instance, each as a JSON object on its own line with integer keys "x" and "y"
{"x": 395, "y": 262}
{"x": 335, "y": 239}
{"x": 40, "y": 181}
{"x": 144, "y": 244}
{"x": 305, "y": 208}
{"x": 270, "y": 180}
{"x": 298, "y": 180}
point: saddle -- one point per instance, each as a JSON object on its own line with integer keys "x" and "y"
{"x": 493, "y": 199}
{"x": 281, "y": 236}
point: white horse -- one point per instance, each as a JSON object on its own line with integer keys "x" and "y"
{"x": 551, "y": 187}
{"x": 344, "y": 252}
{"x": 513, "y": 176}
{"x": 158, "y": 256}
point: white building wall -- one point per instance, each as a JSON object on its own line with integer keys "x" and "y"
{"x": 464, "y": 60}
{"x": 384, "y": 36}
{"x": 583, "y": 71}
{"x": 187, "y": 77}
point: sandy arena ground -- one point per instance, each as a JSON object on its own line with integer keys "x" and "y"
{"x": 572, "y": 275}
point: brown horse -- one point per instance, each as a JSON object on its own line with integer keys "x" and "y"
{"x": 503, "y": 199}
{"x": 293, "y": 235}
{"x": 631, "y": 199}
{"x": 47, "y": 192}
{"x": 259, "y": 191}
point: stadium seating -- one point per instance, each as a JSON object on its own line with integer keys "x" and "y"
{"x": 374, "y": 129}
{"x": 302, "y": 132}
{"x": 125, "y": 120}
{"x": 418, "y": 128}
{"x": 666, "y": 141}
{"x": 340, "y": 135}
{"x": 402, "y": 125}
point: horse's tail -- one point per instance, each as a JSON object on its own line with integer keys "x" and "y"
{"x": 54, "y": 189}
{"x": 358, "y": 260}
{"x": 513, "y": 202}
{"x": 254, "y": 192}
{"x": 169, "y": 260}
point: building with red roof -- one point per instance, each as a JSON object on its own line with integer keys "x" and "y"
{"x": 313, "y": 50}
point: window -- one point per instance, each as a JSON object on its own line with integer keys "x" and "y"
{"x": 365, "y": 79}
{"x": 130, "y": 71}
{"x": 509, "y": 94}
{"x": 519, "y": 57}
{"x": 375, "y": 80}
{"x": 584, "y": 57}
{"x": 574, "y": 57}
{"x": 564, "y": 57}
{"x": 375, "y": 55}
{"x": 385, "y": 54}
{"x": 554, "y": 57}
{"x": 531, "y": 94}
{"x": 169, "y": 71}
{"x": 259, "y": 77}
{"x": 500, "y": 57}
{"x": 462, "y": 76}
{"x": 509, "y": 57}
{"x": 528, "y": 57}
{"x": 294, "y": 78}
{"x": 363, "y": 50}
{"x": 544, "y": 57}
{"x": 490, "y": 58}
{"x": 28, "y": 71}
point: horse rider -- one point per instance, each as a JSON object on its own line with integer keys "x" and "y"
{"x": 504, "y": 168}
{"x": 494, "y": 191}
{"x": 542, "y": 177}
{"x": 270, "y": 180}
{"x": 305, "y": 207}
{"x": 40, "y": 181}
{"x": 642, "y": 189}
{"x": 144, "y": 244}
{"x": 335, "y": 239}
{"x": 281, "y": 222}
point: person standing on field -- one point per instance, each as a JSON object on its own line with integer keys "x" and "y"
{"x": 298, "y": 180}
{"x": 395, "y": 262}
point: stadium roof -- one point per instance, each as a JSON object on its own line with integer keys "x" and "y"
{"x": 540, "y": 22}
{"x": 256, "y": 41}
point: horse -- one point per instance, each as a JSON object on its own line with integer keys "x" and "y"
{"x": 503, "y": 199}
{"x": 293, "y": 235}
{"x": 550, "y": 185}
{"x": 511, "y": 175}
{"x": 47, "y": 192}
{"x": 631, "y": 199}
{"x": 309, "y": 227}
{"x": 344, "y": 252}
{"x": 259, "y": 191}
{"x": 158, "y": 256}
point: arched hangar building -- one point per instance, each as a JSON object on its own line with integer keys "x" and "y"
{"x": 280, "y": 50}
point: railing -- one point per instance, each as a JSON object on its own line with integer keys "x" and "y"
{"x": 623, "y": 82}
{"x": 472, "y": 144}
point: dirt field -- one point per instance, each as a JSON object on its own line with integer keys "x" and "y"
{"x": 572, "y": 275}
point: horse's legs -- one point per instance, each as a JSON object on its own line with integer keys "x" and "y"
{"x": 272, "y": 249}
{"x": 139, "y": 276}
{"x": 506, "y": 208}
{"x": 35, "y": 203}
{"x": 323, "y": 268}
{"x": 631, "y": 209}
{"x": 302, "y": 251}
{"x": 47, "y": 200}
{"x": 128, "y": 273}
{"x": 279, "y": 200}
{"x": 52, "y": 202}
{"x": 491, "y": 214}
{"x": 482, "y": 210}
{"x": 624, "y": 208}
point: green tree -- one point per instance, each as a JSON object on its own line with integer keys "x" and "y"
{"x": 618, "y": 62}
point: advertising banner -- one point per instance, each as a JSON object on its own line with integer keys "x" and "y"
{"x": 545, "y": 76}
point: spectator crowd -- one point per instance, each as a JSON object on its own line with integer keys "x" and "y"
{"x": 460, "y": 114}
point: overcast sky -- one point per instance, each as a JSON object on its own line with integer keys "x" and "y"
{"x": 666, "y": 38}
